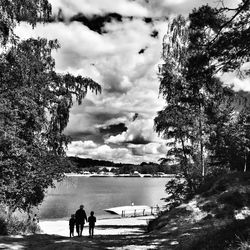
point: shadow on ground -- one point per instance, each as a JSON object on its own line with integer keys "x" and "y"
{"x": 44, "y": 241}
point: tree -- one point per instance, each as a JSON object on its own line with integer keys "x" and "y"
{"x": 223, "y": 34}
{"x": 199, "y": 111}
{"x": 13, "y": 12}
{"x": 34, "y": 110}
{"x": 207, "y": 132}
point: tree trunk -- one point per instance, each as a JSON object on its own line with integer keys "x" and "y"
{"x": 201, "y": 143}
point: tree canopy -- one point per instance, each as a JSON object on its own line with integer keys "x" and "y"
{"x": 35, "y": 102}
{"x": 200, "y": 115}
{"x": 13, "y": 12}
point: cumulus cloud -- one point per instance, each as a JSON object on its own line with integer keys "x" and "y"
{"x": 122, "y": 53}
{"x": 173, "y": 7}
{"x": 233, "y": 80}
{"x": 139, "y": 131}
{"x": 113, "y": 128}
{"x": 148, "y": 149}
{"x": 129, "y": 80}
{"x": 98, "y": 7}
{"x": 103, "y": 152}
{"x": 130, "y": 154}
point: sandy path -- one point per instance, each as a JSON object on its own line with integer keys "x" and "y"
{"x": 117, "y": 226}
{"x": 109, "y": 234}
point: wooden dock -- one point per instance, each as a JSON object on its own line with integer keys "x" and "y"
{"x": 134, "y": 211}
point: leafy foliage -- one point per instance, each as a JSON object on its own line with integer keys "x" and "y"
{"x": 200, "y": 120}
{"x": 221, "y": 237}
{"x": 34, "y": 109}
{"x": 13, "y": 12}
{"x": 15, "y": 225}
{"x": 205, "y": 130}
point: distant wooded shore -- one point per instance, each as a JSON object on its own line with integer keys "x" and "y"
{"x": 110, "y": 174}
{"x": 100, "y": 168}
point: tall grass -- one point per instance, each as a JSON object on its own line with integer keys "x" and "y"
{"x": 15, "y": 225}
{"x": 240, "y": 244}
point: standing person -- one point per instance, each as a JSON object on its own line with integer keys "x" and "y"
{"x": 72, "y": 223}
{"x": 92, "y": 221}
{"x": 80, "y": 218}
{"x": 36, "y": 219}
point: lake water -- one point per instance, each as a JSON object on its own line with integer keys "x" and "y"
{"x": 100, "y": 193}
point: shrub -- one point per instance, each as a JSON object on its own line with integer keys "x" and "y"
{"x": 220, "y": 238}
{"x": 208, "y": 184}
{"x": 234, "y": 198}
{"x": 3, "y": 226}
{"x": 14, "y": 226}
{"x": 178, "y": 191}
{"x": 209, "y": 206}
{"x": 227, "y": 211}
{"x": 240, "y": 244}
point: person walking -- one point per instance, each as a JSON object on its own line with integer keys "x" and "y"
{"x": 92, "y": 221}
{"x": 72, "y": 223}
{"x": 80, "y": 217}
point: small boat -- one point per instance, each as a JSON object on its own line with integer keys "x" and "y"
{"x": 123, "y": 175}
{"x": 147, "y": 175}
{"x": 135, "y": 174}
{"x": 104, "y": 174}
{"x": 77, "y": 174}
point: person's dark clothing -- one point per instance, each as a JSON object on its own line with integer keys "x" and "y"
{"x": 80, "y": 218}
{"x": 36, "y": 219}
{"x": 72, "y": 223}
{"x": 92, "y": 221}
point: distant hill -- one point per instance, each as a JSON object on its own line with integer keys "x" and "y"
{"x": 88, "y": 162}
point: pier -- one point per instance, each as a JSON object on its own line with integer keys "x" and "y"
{"x": 134, "y": 211}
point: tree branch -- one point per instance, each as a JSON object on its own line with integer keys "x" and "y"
{"x": 229, "y": 21}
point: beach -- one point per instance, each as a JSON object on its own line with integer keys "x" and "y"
{"x": 109, "y": 233}
{"x": 110, "y": 226}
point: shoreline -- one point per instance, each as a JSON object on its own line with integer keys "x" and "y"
{"x": 95, "y": 175}
{"x": 110, "y": 226}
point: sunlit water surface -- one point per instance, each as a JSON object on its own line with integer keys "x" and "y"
{"x": 100, "y": 193}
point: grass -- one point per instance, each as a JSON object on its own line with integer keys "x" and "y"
{"x": 15, "y": 225}
{"x": 240, "y": 244}
{"x": 231, "y": 236}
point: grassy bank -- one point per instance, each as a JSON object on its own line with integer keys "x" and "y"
{"x": 217, "y": 218}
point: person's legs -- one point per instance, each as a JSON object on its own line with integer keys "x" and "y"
{"x": 77, "y": 228}
{"x": 91, "y": 231}
{"x": 82, "y": 225}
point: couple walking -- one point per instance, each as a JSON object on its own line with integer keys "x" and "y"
{"x": 79, "y": 220}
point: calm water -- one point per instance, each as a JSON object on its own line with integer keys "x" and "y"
{"x": 99, "y": 193}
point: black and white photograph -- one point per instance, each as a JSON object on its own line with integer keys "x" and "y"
{"x": 125, "y": 124}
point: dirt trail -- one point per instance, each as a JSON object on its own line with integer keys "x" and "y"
{"x": 44, "y": 242}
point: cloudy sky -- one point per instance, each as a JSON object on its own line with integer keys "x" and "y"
{"x": 118, "y": 44}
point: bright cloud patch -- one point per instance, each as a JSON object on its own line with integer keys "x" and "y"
{"x": 122, "y": 53}
{"x": 139, "y": 132}
{"x": 91, "y": 7}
